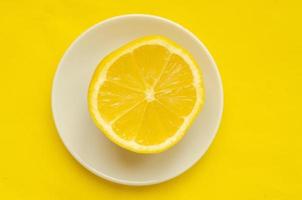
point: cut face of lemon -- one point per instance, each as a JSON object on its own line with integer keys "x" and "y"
{"x": 145, "y": 95}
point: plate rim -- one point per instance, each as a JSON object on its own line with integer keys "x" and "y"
{"x": 60, "y": 65}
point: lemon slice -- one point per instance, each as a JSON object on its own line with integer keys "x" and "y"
{"x": 145, "y": 95}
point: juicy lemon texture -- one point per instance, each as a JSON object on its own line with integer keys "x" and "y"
{"x": 145, "y": 95}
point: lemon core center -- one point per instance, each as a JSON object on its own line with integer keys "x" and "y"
{"x": 149, "y": 95}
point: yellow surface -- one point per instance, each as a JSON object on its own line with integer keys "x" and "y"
{"x": 257, "y": 152}
{"x": 146, "y": 94}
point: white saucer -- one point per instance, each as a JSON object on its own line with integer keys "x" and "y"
{"x": 88, "y": 145}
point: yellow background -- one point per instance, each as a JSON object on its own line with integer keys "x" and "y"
{"x": 257, "y": 152}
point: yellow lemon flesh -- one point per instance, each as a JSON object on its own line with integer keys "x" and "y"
{"x": 145, "y": 95}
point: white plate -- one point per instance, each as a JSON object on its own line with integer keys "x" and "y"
{"x": 88, "y": 145}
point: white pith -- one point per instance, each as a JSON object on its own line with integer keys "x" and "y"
{"x": 149, "y": 96}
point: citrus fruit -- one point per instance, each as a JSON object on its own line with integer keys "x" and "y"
{"x": 145, "y": 95}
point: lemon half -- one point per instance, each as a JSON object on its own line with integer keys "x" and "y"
{"x": 145, "y": 95}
